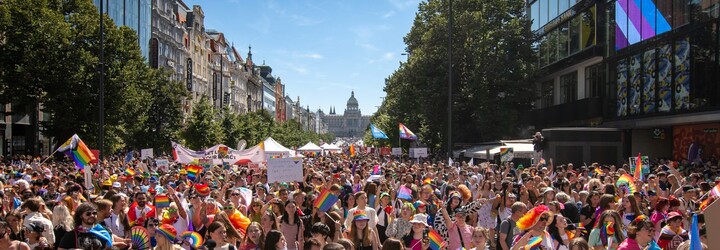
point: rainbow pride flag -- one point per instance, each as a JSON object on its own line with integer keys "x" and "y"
{"x": 325, "y": 200}
{"x": 193, "y": 172}
{"x": 130, "y": 172}
{"x": 162, "y": 201}
{"x": 436, "y": 241}
{"x": 76, "y": 149}
{"x": 533, "y": 242}
{"x": 404, "y": 193}
{"x": 406, "y": 134}
{"x": 638, "y": 168}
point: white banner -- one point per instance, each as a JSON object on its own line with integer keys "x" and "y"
{"x": 146, "y": 153}
{"x": 233, "y": 157}
{"x": 284, "y": 169}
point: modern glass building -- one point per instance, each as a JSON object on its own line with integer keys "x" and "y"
{"x": 648, "y": 67}
{"x": 135, "y": 14}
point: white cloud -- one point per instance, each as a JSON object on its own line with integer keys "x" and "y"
{"x": 297, "y": 68}
{"x": 389, "y": 14}
{"x": 303, "y": 20}
{"x": 310, "y": 55}
{"x": 388, "y": 56}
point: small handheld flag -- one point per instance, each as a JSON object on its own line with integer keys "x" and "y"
{"x": 376, "y": 170}
{"x": 404, "y": 193}
{"x": 193, "y": 172}
{"x": 638, "y": 168}
{"x": 325, "y": 200}
{"x": 162, "y": 201}
{"x": 436, "y": 241}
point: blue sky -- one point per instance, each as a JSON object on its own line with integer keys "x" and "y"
{"x": 322, "y": 49}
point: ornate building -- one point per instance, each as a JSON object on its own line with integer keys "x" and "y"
{"x": 350, "y": 124}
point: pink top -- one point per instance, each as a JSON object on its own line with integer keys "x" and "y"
{"x": 629, "y": 244}
{"x": 454, "y": 238}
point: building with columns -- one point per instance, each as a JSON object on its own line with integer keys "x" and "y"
{"x": 350, "y": 124}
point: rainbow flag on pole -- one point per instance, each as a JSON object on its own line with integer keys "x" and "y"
{"x": 162, "y": 201}
{"x": 76, "y": 149}
{"x": 638, "y": 168}
{"x": 436, "y": 241}
{"x": 325, "y": 200}
{"x": 193, "y": 172}
{"x": 406, "y": 134}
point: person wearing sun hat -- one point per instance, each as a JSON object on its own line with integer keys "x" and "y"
{"x": 417, "y": 239}
{"x": 532, "y": 224}
{"x": 165, "y": 235}
{"x": 363, "y": 236}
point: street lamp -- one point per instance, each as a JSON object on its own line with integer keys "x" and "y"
{"x": 449, "y": 107}
{"x": 101, "y": 88}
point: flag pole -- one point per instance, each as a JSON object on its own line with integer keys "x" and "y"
{"x": 49, "y": 156}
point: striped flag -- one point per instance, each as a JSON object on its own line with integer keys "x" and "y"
{"x": 638, "y": 168}
{"x": 76, "y": 149}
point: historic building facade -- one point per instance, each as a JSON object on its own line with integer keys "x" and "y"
{"x": 350, "y": 124}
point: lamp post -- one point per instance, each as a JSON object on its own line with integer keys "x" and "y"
{"x": 450, "y": 91}
{"x": 101, "y": 89}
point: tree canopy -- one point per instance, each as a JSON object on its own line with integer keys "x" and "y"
{"x": 492, "y": 60}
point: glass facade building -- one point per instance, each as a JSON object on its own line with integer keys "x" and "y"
{"x": 648, "y": 67}
{"x": 135, "y": 14}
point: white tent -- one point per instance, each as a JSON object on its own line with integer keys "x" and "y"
{"x": 310, "y": 147}
{"x": 274, "y": 149}
{"x": 331, "y": 148}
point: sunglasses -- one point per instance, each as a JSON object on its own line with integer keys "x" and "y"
{"x": 235, "y": 194}
{"x": 152, "y": 225}
{"x": 172, "y": 210}
{"x": 90, "y": 213}
{"x": 229, "y": 208}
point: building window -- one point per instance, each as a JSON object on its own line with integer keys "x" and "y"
{"x": 568, "y": 87}
{"x": 546, "y": 92}
{"x": 594, "y": 79}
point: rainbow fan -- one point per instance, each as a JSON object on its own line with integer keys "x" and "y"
{"x": 610, "y": 228}
{"x": 626, "y": 181}
{"x": 140, "y": 238}
{"x": 193, "y": 238}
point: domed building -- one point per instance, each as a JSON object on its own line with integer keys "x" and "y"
{"x": 350, "y": 124}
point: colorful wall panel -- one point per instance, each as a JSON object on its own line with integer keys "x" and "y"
{"x": 665, "y": 88}
{"x": 634, "y": 90}
{"x": 621, "y": 88}
{"x": 682, "y": 74}
{"x": 637, "y": 20}
{"x": 648, "y": 81}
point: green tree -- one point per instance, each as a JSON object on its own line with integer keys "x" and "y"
{"x": 160, "y": 120}
{"x": 204, "y": 129}
{"x": 492, "y": 60}
{"x": 50, "y": 57}
{"x": 232, "y": 125}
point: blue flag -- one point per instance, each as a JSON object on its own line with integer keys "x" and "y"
{"x": 129, "y": 157}
{"x": 695, "y": 243}
{"x": 377, "y": 133}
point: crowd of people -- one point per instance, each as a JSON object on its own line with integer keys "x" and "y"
{"x": 383, "y": 203}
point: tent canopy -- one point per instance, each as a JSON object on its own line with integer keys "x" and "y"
{"x": 273, "y": 146}
{"x": 330, "y": 147}
{"x": 310, "y": 147}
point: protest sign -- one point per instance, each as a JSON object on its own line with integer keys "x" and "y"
{"x": 385, "y": 151}
{"x": 162, "y": 164}
{"x": 506, "y": 154}
{"x": 418, "y": 152}
{"x": 284, "y": 170}
{"x": 206, "y": 163}
{"x": 146, "y": 153}
{"x": 397, "y": 151}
